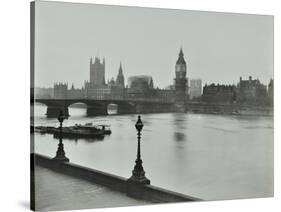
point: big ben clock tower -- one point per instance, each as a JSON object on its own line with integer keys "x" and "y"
{"x": 180, "y": 84}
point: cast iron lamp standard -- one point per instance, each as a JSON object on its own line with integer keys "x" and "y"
{"x": 138, "y": 172}
{"x": 60, "y": 156}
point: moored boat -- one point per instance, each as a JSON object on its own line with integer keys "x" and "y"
{"x": 77, "y": 131}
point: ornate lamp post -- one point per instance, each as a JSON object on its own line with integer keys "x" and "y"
{"x": 60, "y": 156}
{"x": 138, "y": 172}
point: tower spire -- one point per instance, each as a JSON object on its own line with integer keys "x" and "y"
{"x": 120, "y": 77}
{"x": 120, "y": 68}
{"x": 181, "y": 58}
{"x": 181, "y": 53}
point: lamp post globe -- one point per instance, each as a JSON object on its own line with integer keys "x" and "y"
{"x": 61, "y": 117}
{"x": 139, "y": 124}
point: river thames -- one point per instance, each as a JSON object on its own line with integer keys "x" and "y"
{"x": 206, "y": 156}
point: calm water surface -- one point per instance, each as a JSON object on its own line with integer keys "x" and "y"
{"x": 206, "y": 156}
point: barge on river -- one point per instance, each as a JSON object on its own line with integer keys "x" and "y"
{"x": 77, "y": 131}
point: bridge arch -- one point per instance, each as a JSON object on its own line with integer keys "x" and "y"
{"x": 38, "y": 109}
{"x": 77, "y": 109}
{"x": 54, "y": 107}
{"x": 112, "y": 109}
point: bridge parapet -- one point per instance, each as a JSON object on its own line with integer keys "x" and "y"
{"x": 112, "y": 99}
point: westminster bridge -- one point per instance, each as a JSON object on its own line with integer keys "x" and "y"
{"x": 98, "y": 106}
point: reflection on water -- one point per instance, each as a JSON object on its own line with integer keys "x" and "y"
{"x": 87, "y": 140}
{"x": 178, "y": 136}
{"x": 207, "y": 156}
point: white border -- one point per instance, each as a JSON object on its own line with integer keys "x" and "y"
{"x": 14, "y": 66}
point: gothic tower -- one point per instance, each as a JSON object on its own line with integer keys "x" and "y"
{"x": 180, "y": 83}
{"x": 97, "y": 72}
{"x": 120, "y": 77}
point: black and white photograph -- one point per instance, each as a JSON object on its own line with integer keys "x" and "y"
{"x": 134, "y": 106}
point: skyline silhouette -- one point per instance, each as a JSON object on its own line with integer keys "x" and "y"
{"x": 218, "y": 47}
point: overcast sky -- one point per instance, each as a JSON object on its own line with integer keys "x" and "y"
{"x": 218, "y": 47}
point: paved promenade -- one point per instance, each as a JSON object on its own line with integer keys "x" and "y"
{"x": 55, "y": 191}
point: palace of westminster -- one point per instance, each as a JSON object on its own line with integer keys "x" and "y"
{"x": 249, "y": 91}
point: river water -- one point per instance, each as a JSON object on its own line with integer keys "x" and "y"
{"x": 207, "y": 156}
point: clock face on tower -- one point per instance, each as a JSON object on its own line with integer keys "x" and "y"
{"x": 181, "y": 68}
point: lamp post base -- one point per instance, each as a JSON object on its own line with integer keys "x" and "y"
{"x": 60, "y": 156}
{"x": 143, "y": 180}
{"x": 139, "y": 177}
{"x": 61, "y": 159}
{"x": 136, "y": 184}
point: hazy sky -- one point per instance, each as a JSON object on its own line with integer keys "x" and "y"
{"x": 218, "y": 47}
